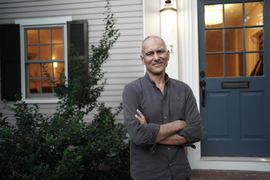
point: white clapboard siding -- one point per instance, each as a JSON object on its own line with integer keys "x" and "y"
{"x": 124, "y": 64}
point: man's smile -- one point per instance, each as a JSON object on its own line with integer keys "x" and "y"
{"x": 158, "y": 64}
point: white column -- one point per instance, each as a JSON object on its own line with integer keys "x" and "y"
{"x": 189, "y": 56}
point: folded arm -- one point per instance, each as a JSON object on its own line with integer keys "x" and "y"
{"x": 167, "y": 132}
{"x": 140, "y": 134}
{"x": 193, "y": 132}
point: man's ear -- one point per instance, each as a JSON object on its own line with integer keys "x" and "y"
{"x": 142, "y": 59}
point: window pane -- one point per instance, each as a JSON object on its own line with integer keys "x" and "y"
{"x": 214, "y": 41}
{"x": 233, "y": 15}
{"x": 254, "y": 64}
{"x": 57, "y": 35}
{"x": 34, "y": 86}
{"x": 234, "y": 65}
{"x": 233, "y": 40}
{"x": 214, "y": 65}
{"x": 45, "y": 52}
{"x": 56, "y": 82}
{"x": 57, "y": 51}
{"x": 46, "y": 86}
{"x": 34, "y": 70}
{"x": 44, "y": 36}
{"x": 254, "y": 13}
{"x": 48, "y": 68}
{"x": 32, "y": 36}
{"x": 32, "y": 52}
{"x": 58, "y": 68}
{"x": 213, "y": 15}
{"x": 254, "y": 39}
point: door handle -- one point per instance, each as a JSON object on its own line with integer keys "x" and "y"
{"x": 202, "y": 85}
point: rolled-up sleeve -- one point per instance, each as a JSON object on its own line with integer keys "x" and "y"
{"x": 193, "y": 131}
{"x": 140, "y": 134}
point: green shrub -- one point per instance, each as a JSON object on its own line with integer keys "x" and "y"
{"x": 63, "y": 146}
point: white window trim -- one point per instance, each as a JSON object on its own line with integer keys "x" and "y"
{"x": 39, "y": 22}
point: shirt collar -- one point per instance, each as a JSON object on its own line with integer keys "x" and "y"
{"x": 147, "y": 77}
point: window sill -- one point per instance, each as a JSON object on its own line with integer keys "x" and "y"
{"x": 41, "y": 100}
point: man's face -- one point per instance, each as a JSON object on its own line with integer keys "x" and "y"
{"x": 155, "y": 56}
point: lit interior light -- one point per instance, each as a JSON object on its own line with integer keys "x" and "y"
{"x": 55, "y": 64}
{"x": 213, "y": 14}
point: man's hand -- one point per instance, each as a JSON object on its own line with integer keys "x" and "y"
{"x": 141, "y": 117}
{"x": 183, "y": 123}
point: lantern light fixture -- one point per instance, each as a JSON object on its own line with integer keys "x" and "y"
{"x": 168, "y": 6}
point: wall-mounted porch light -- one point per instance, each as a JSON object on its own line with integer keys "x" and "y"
{"x": 168, "y": 15}
{"x": 168, "y": 31}
{"x": 168, "y": 6}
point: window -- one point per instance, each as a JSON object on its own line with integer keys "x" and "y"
{"x": 44, "y": 49}
{"x": 29, "y": 46}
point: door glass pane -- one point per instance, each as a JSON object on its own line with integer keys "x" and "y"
{"x": 254, "y": 39}
{"x": 57, "y": 35}
{"x": 44, "y": 36}
{"x": 48, "y": 68}
{"x": 45, "y": 52}
{"x": 254, "y": 13}
{"x": 214, "y": 65}
{"x": 34, "y": 70}
{"x": 32, "y": 52}
{"x": 57, "y": 51}
{"x": 214, "y": 40}
{"x": 233, "y": 40}
{"x": 58, "y": 68}
{"x": 234, "y": 65}
{"x": 46, "y": 86}
{"x": 34, "y": 85}
{"x": 213, "y": 15}
{"x": 233, "y": 14}
{"x": 254, "y": 64}
{"x": 32, "y": 36}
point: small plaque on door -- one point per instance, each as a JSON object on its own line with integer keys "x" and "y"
{"x": 234, "y": 84}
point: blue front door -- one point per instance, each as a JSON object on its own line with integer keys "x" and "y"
{"x": 234, "y": 44}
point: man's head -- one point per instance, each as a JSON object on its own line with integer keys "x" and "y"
{"x": 155, "y": 55}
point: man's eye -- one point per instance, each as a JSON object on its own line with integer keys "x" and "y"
{"x": 160, "y": 52}
{"x": 148, "y": 54}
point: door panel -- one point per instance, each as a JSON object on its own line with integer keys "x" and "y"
{"x": 251, "y": 110}
{"x": 234, "y": 38}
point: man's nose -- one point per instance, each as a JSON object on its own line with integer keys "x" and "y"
{"x": 156, "y": 56}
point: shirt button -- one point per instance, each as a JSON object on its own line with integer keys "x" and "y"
{"x": 170, "y": 164}
{"x": 168, "y": 148}
{"x": 165, "y": 117}
{"x": 163, "y": 101}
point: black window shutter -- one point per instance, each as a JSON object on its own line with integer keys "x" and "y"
{"x": 10, "y": 61}
{"x": 78, "y": 36}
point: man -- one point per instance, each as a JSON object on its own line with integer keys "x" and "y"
{"x": 161, "y": 116}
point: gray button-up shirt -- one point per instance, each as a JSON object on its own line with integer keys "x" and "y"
{"x": 148, "y": 160}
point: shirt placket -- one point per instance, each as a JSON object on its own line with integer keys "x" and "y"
{"x": 165, "y": 110}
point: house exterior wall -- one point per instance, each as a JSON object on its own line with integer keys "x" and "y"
{"x": 124, "y": 64}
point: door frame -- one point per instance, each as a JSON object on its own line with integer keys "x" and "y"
{"x": 188, "y": 48}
